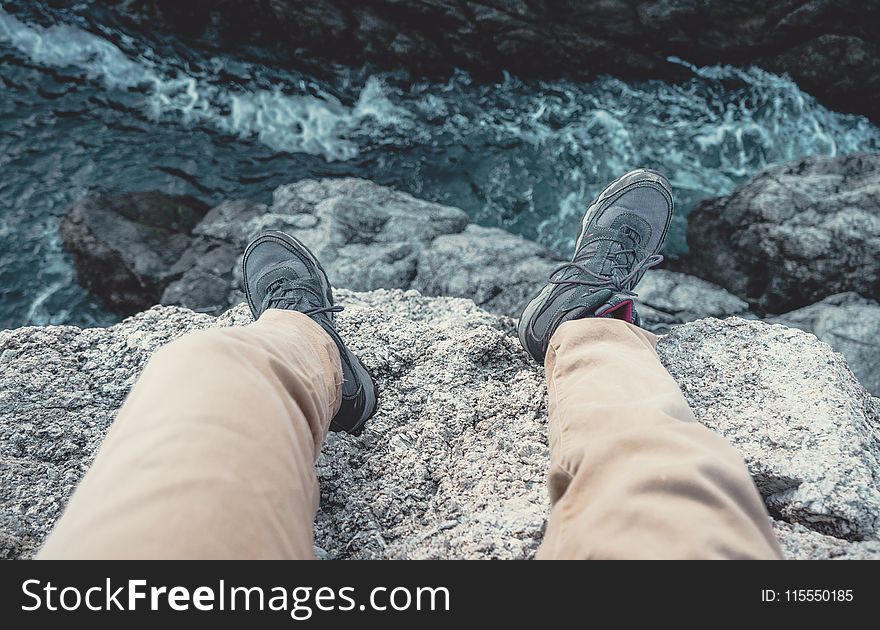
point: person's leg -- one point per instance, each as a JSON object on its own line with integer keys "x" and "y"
{"x": 633, "y": 475}
{"x": 212, "y": 455}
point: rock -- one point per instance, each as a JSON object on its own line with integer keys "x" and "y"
{"x": 59, "y": 390}
{"x": 667, "y": 298}
{"x": 806, "y": 428}
{"x": 850, "y": 324}
{"x": 370, "y": 237}
{"x": 455, "y": 388}
{"x": 502, "y": 272}
{"x": 205, "y": 276}
{"x": 805, "y": 544}
{"x": 830, "y": 48}
{"x": 497, "y": 270}
{"x": 794, "y": 234}
{"x": 367, "y": 237}
{"x": 453, "y": 464}
{"x": 124, "y": 246}
{"x": 228, "y": 222}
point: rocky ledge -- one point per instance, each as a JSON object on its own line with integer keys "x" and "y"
{"x": 453, "y": 464}
{"x": 367, "y": 236}
{"x": 797, "y": 234}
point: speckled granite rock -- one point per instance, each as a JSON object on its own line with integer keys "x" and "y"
{"x": 455, "y": 388}
{"x": 806, "y": 427}
{"x": 851, "y": 325}
{"x": 453, "y": 464}
{"x": 806, "y": 544}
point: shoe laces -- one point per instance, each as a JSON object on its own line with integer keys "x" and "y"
{"x": 287, "y": 294}
{"x": 621, "y": 284}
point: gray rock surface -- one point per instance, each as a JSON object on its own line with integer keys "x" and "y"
{"x": 453, "y": 464}
{"x": 805, "y": 426}
{"x": 497, "y": 270}
{"x": 794, "y": 234}
{"x": 667, "y": 298}
{"x": 801, "y": 543}
{"x": 371, "y": 237}
{"x": 850, "y": 324}
{"x": 830, "y": 48}
{"x": 367, "y": 237}
{"x": 124, "y": 247}
{"x": 502, "y": 272}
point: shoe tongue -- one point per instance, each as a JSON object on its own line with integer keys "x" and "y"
{"x": 625, "y": 262}
{"x": 627, "y": 238}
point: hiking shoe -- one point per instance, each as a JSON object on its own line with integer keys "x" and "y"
{"x": 622, "y": 232}
{"x": 280, "y": 272}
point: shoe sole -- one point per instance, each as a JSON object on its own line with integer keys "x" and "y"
{"x": 611, "y": 192}
{"x": 362, "y": 374}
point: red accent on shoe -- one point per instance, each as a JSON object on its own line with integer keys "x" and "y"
{"x": 622, "y": 310}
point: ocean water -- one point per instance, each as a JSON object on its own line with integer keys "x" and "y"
{"x": 85, "y": 107}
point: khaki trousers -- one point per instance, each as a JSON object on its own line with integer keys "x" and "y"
{"x": 212, "y": 455}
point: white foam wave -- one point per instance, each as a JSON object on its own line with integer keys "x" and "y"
{"x": 532, "y": 154}
{"x": 281, "y": 119}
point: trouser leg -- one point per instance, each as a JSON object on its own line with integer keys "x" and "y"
{"x": 633, "y": 475}
{"x": 212, "y": 455}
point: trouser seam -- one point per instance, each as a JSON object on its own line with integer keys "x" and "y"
{"x": 562, "y": 427}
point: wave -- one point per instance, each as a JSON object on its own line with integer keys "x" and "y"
{"x": 525, "y": 155}
{"x": 725, "y": 123}
{"x": 317, "y": 124}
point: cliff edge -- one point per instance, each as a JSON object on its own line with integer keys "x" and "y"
{"x": 453, "y": 464}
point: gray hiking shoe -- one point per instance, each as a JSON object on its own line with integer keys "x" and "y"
{"x": 621, "y": 234}
{"x": 281, "y": 272}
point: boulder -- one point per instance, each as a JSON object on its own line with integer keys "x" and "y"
{"x": 850, "y": 324}
{"x": 124, "y": 247}
{"x": 453, "y": 464}
{"x": 497, "y": 270}
{"x": 830, "y": 48}
{"x": 205, "y": 279}
{"x": 805, "y": 426}
{"x": 794, "y": 234}
{"x": 367, "y": 237}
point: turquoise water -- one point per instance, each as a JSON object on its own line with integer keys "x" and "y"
{"x": 87, "y": 108}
